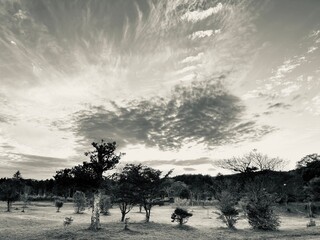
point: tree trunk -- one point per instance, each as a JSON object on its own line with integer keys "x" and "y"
{"x": 95, "y": 217}
{"x": 147, "y": 216}
{"x": 123, "y": 215}
{"x": 147, "y": 208}
{"x": 310, "y": 209}
{"x": 8, "y": 206}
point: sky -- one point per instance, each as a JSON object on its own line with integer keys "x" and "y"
{"x": 177, "y": 84}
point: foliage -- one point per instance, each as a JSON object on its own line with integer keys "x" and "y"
{"x": 259, "y": 209}
{"x": 227, "y": 209}
{"x": 10, "y": 189}
{"x": 63, "y": 181}
{"x": 313, "y": 188}
{"x": 199, "y": 186}
{"x": 17, "y": 175}
{"x": 174, "y": 188}
{"x": 105, "y": 204}
{"x": 309, "y": 167}
{"x": 307, "y": 160}
{"x": 79, "y": 201}
{"x": 58, "y": 204}
{"x": 147, "y": 183}
{"x": 9, "y": 193}
{"x": 180, "y": 215}
{"x": 124, "y": 191}
{"x": 102, "y": 158}
{"x": 184, "y": 194}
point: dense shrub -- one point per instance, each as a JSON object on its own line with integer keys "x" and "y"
{"x": 260, "y": 213}
{"x": 79, "y": 201}
{"x": 180, "y": 215}
{"x": 227, "y": 209}
{"x": 58, "y": 204}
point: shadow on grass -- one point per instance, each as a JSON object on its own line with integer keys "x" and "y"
{"x": 184, "y": 228}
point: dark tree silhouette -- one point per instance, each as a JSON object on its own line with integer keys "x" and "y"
{"x": 125, "y": 191}
{"x": 102, "y": 158}
{"x": 309, "y": 167}
{"x": 181, "y": 216}
{"x": 64, "y": 181}
{"x": 147, "y": 183}
{"x": 307, "y": 160}
{"x": 253, "y": 161}
{"x": 10, "y": 190}
{"x": 58, "y": 204}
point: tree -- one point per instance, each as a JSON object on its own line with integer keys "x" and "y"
{"x": 10, "y": 189}
{"x": 309, "y": 167}
{"x": 79, "y": 201}
{"x": 176, "y": 188}
{"x": 102, "y": 158}
{"x": 9, "y": 192}
{"x": 147, "y": 183}
{"x": 227, "y": 207}
{"x": 181, "y": 216}
{"x": 64, "y": 181}
{"x": 259, "y": 208}
{"x": 305, "y": 161}
{"x": 17, "y": 175}
{"x": 313, "y": 194}
{"x": 253, "y": 161}
{"x": 125, "y": 191}
{"x": 313, "y": 188}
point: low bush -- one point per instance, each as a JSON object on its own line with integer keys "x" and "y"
{"x": 58, "y": 204}
{"x": 180, "y": 215}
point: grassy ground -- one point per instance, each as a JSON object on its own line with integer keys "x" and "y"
{"x": 41, "y": 221}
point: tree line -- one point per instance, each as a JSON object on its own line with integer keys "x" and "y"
{"x": 257, "y": 186}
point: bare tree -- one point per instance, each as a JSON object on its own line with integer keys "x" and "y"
{"x": 250, "y": 162}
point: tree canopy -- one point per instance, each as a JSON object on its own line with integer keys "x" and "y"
{"x": 250, "y": 162}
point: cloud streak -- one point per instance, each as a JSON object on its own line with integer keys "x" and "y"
{"x": 182, "y": 163}
{"x": 198, "y": 15}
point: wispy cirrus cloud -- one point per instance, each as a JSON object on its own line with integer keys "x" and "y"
{"x": 198, "y": 15}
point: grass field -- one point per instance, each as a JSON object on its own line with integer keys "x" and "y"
{"x": 41, "y": 221}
